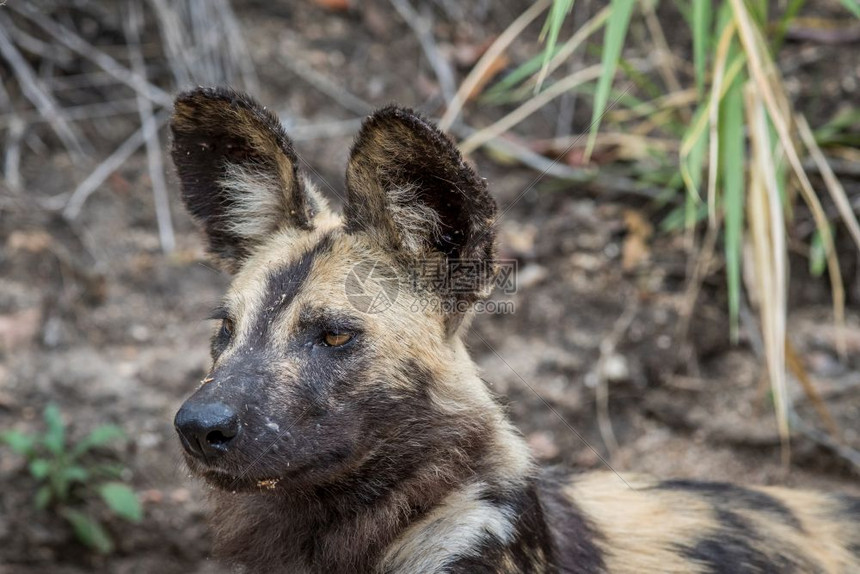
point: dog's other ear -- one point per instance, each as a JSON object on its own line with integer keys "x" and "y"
{"x": 408, "y": 184}
{"x": 238, "y": 172}
{"x": 409, "y": 188}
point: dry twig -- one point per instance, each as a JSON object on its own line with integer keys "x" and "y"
{"x": 842, "y": 450}
{"x": 531, "y": 106}
{"x": 322, "y": 130}
{"x": 328, "y": 87}
{"x": 12, "y": 157}
{"x": 612, "y": 183}
{"x": 74, "y": 113}
{"x": 32, "y": 87}
{"x": 153, "y": 148}
{"x": 607, "y": 349}
{"x": 423, "y": 28}
{"x": 74, "y": 42}
{"x": 493, "y": 52}
{"x": 110, "y": 165}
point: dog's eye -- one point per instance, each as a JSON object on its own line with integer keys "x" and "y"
{"x": 221, "y": 340}
{"x": 227, "y": 327}
{"x": 337, "y": 339}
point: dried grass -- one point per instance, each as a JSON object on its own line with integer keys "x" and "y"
{"x": 200, "y": 44}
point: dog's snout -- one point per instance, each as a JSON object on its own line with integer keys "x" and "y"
{"x": 207, "y": 429}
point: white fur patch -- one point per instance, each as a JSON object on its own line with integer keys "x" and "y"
{"x": 258, "y": 202}
{"x": 453, "y": 530}
{"x": 414, "y": 220}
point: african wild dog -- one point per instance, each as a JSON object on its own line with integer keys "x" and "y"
{"x": 343, "y": 441}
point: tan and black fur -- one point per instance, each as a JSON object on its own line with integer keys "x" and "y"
{"x": 387, "y": 453}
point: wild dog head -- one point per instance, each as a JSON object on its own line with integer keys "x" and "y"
{"x": 328, "y": 359}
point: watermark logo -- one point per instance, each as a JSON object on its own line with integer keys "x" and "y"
{"x": 372, "y": 286}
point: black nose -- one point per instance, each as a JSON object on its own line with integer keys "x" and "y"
{"x": 206, "y": 429}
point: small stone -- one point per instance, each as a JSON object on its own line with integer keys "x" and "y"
{"x": 616, "y": 369}
{"x": 139, "y": 333}
{"x": 148, "y": 440}
{"x": 543, "y": 445}
{"x": 153, "y": 495}
{"x": 530, "y": 275}
{"x": 180, "y": 495}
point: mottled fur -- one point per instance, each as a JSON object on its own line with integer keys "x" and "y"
{"x": 388, "y": 454}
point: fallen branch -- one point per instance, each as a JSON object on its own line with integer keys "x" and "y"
{"x": 493, "y": 52}
{"x": 75, "y": 43}
{"x": 150, "y": 130}
{"x": 111, "y": 164}
{"x": 831, "y": 182}
{"x": 844, "y": 451}
{"x": 529, "y": 107}
{"x": 614, "y": 184}
{"x": 322, "y": 130}
{"x": 12, "y": 157}
{"x": 239, "y": 49}
{"x": 32, "y": 87}
{"x": 601, "y": 390}
{"x": 423, "y": 28}
{"x": 46, "y": 51}
{"x": 328, "y": 87}
{"x": 73, "y": 113}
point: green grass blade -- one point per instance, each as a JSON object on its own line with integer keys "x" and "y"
{"x": 683, "y": 6}
{"x": 790, "y": 14}
{"x": 836, "y": 130}
{"x": 817, "y": 255}
{"x": 732, "y": 151}
{"x": 622, "y": 100}
{"x": 613, "y": 42}
{"x": 724, "y": 16}
{"x": 758, "y": 11}
{"x": 852, "y": 6}
{"x": 701, "y": 39}
{"x": 641, "y": 81}
{"x": 557, "y": 15}
{"x": 501, "y": 90}
{"x": 694, "y": 147}
{"x": 676, "y": 220}
{"x": 781, "y": 170}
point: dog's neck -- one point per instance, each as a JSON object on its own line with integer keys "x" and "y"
{"x": 465, "y": 468}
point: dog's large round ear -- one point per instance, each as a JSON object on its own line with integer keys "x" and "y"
{"x": 238, "y": 171}
{"x": 410, "y": 189}
{"x": 408, "y": 183}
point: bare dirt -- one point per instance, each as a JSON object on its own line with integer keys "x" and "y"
{"x": 94, "y": 317}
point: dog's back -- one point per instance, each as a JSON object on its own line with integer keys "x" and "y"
{"x": 639, "y": 524}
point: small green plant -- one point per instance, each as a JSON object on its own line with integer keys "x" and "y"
{"x": 70, "y": 479}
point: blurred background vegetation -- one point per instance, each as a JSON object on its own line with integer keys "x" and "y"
{"x": 679, "y": 181}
